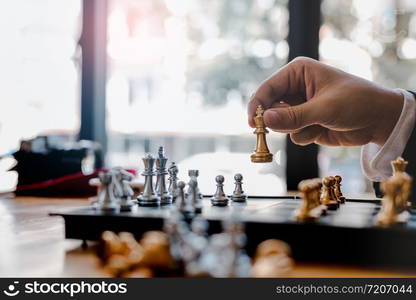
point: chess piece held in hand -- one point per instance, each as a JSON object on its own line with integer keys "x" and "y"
{"x": 262, "y": 153}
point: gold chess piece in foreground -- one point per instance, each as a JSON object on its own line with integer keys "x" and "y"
{"x": 262, "y": 153}
{"x": 396, "y": 195}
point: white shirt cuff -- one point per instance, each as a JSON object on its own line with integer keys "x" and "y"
{"x": 375, "y": 160}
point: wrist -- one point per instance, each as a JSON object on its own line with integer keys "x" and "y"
{"x": 392, "y": 103}
{"x": 375, "y": 159}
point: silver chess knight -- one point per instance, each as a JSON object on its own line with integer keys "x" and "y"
{"x": 173, "y": 180}
{"x": 182, "y": 205}
{"x": 106, "y": 199}
{"x": 161, "y": 191}
{"x": 122, "y": 188}
{"x": 148, "y": 196}
{"x": 193, "y": 174}
{"x": 219, "y": 198}
{"x": 238, "y": 194}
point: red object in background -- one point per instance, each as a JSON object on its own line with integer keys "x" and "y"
{"x": 74, "y": 185}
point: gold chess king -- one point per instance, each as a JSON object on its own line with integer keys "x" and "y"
{"x": 262, "y": 153}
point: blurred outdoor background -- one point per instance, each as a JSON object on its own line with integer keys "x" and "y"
{"x": 180, "y": 73}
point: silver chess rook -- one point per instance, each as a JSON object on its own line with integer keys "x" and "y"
{"x": 148, "y": 196}
{"x": 161, "y": 191}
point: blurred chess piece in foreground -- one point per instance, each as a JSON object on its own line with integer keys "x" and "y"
{"x": 262, "y": 153}
{"x": 122, "y": 255}
{"x": 272, "y": 259}
{"x": 395, "y": 204}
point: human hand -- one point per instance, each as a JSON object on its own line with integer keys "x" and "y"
{"x": 316, "y": 103}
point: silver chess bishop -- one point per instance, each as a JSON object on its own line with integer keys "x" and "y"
{"x": 106, "y": 200}
{"x": 148, "y": 196}
{"x": 161, "y": 191}
{"x": 122, "y": 188}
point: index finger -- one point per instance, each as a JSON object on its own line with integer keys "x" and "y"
{"x": 287, "y": 80}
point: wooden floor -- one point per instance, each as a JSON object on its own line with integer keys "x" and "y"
{"x": 32, "y": 244}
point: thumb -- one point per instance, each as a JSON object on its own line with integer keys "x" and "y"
{"x": 292, "y": 118}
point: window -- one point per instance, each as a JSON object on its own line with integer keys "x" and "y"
{"x": 39, "y": 74}
{"x": 181, "y": 74}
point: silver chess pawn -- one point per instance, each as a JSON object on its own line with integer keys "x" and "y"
{"x": 122, "y": 188}
{"x": 182, "y": 204}
{"x": 173, "y": 180}
{"x": 238, "y": 194}
{"x": 148, "y": 196}
{"x": 219, "y": 198}
{"x": 161, "y": 191}
{"x": 106, "y": 200}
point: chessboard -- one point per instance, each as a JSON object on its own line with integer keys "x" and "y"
{"x": 348, "y": 235}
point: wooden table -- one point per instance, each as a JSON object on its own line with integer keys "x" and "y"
{"x": 32, "y": 244}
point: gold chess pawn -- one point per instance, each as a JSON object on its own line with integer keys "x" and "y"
{"x": 328, "y": 197}
{"x": 337, "y": 189}
{"x": 399, "y": 169}
{"x": 262, "y": 153}
{"x": 310, "y": 208}
{"x": 388, "y": 214}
